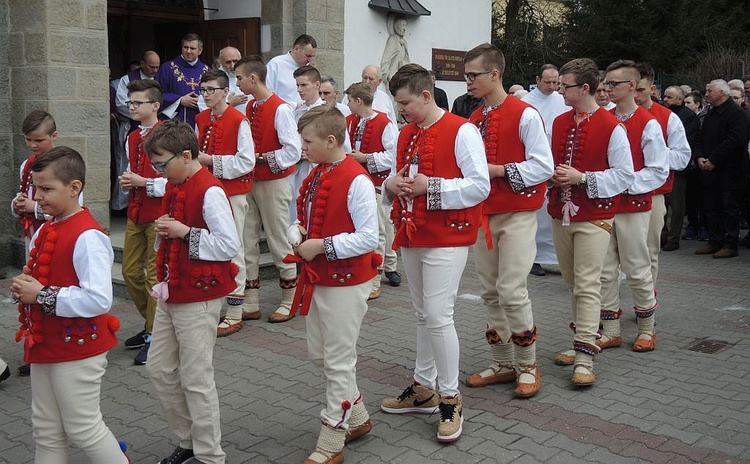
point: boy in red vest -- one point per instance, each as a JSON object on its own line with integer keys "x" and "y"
{"x": 678, "y": 154}
{"x": 373, "y": 139}
{"x": 520, "y": 162}
{"x": 65, "y": 294}
{"x": 144, "y": 206}
{"x": 227, "y": 148}
{"x": 277, "y": 151}
{"x": 337, "y": 217}
{"x": 196, "y": 240}
{"x": 628, "y": 247}
{"x": 592, "y": 166}
{"x": 437, "y": 184}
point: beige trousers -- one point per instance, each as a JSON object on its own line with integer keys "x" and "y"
{"x": 239, "y": 210}
{"x": 385, "y": 240}
{"x": 655, "y": 226}
{"x": 139, "y": 250}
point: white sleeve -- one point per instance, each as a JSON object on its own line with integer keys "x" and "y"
{"x": 272, "y": 76}
{"x": 362, "y": 206}
{"x": 122, "y": 96}
{"x": 679, "y": 149}
{"x": 619, "y": 175}
{"x": 291, "y": 145}
{"x": 243, "y": 162}
{"x": 474, "y": 186}
{"x": 383, "y": 160}
{"x": 655, "y": 160}
{"x": 347, "y": 146}
{"x": 92, "y": 261}
{"x": 539, "y": 165}
{"x": 219, "y": 242}
{"x": 160, "y": 187}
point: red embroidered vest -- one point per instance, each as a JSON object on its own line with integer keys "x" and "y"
{"x": 661, "y": 113}
{"x": 51, "y": 338}
{"x": 372, "y": 140}
{"x": 583, "y": 147}
{"x": 265, "y": 137}
{"x": 219, "y": 137}
{"x": 330, "y": 216}
{"x": 189, "y": 279}
{"x": 503, "y": 145}
{"x": 434, "y": 148}
{"x": 141, "y": 208}
{"x": 28, "y": 221}
{"x": 634, "y": 126}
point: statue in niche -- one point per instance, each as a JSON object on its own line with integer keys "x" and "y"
{"x": 396, "y": 51}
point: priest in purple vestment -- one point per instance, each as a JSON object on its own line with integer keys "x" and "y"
{"x": 180, "y": 81}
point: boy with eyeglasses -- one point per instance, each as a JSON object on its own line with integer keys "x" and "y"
{"x": 197, "y": 240}
{"x": 227, "y": 148}
{"x": 144, "y": 203}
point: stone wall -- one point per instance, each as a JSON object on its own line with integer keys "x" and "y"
{"x": 56, "y": 51}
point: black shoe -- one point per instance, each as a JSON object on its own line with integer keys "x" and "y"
{"x": 745, "y": 242}
{"x": 669, "y": 246}
{"x": 5, "y": 374}
{"x": 704, "y": 235}
{"x": 394, "y": 278}
{"x": 142, "y": 356}
{"x": 24, "y": 370}
{"x": 178, "y": 456}
{"x": 136, "y": 341}
{"x": 691, "y": 233}
{"x": 537, "y": 270}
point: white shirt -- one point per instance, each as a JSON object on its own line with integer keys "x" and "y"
{"x": 619, "y": 175}
{"x": 380, "y": 160}
{"x": 232, "y": 167}
{"x": 344, "y": 109}
{"x": 280, "y": 78}
{"x": 677, "y": 144}
{"x": 122, "y": 94}
{"x": 286, "y": 129}
{"x": 655, "y": 161}
{"x": 361, "y": 203}
{"x": 539, "y": 164}
{"x": 303, "y": 108}
{"x": 549, "y": 107}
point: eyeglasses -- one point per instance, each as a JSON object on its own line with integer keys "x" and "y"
{"x": 569, "y": 86}
{"x": 161, "y": 166}
{"x": 209, "y": 90}
{"x": 472, "y": 76}
{"x": 612, "y": 84}
{"x": 137, "y": 103}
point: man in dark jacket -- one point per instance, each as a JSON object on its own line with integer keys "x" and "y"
{"x": 466, "y": 104}
{"x": 723, "y": 164}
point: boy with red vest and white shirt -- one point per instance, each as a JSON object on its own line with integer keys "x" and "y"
{"x": 144, "y": 206}
{"x": 65, "y": 294}
{"x": 373, "y": 139}
{"x": 227, "y": 148}
{"x": 679, "y": 156}
{"x": 520, "y": 162}
{"x": 337, "y": 218}
{"x": 437, "y": 185}
{"x": 277, "y": 150}
{"x": 628, "y": 246}
{"x": 592, "y": 166}
{"x": 196, "y": 240}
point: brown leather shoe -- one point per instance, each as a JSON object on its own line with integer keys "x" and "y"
{"x": 477, "y": 380}
{"x": 358, "y": 432}
{"x": 565, "y": 358}
{"x": 609, "y": 342}
{"x": 642, "y": 345}
{"x": 374, "y": 294}
{"x": 707, "y": 250}
{"x": 726, "y": 253}
{"x": 251, "y": 316}
{"x": 322, "y": 457}
{"x": 228, "y": 329}
{"x": 583, "y": 379}
{"x": 527, "y": 390}
{"x": 275, "y": 318}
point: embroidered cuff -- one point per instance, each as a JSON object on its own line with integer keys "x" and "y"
{"x": 434, "y": 187}
{"x": 50, "y": 300}
{"x": 194, "y": 243}
{"x": 273, "y": 165}
{"x": 371, "y": 166}
{"x": 150, "y": 188}
{"x": 218, "y": 166}
{"x": 514, "y": 177}
{"x": 591, "y": 188}
{"x": 329, "y": 249}
{"x": 38, "y": 213}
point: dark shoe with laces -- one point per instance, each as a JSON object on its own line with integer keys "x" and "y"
{"x": 451, "y": 419}
{"x": 24, "y": 370}
{"x": 178, "y": 456}
{"x": 394, "y": 278}
{"x": 691, "y": 233}
{"x": 136, "y": 341}
{"x": 5, "y": 374}
{"x": 537, "y": 270}
{"x": 142, "y": 356}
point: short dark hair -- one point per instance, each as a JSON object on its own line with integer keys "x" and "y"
{"x": 192, "y": 37}
{"x": 324, "y": 120}
{"x": 151, "y": 87}
{"x": 253, "y": 64}
{"x": 66, "y": 164}
{"x": 216, "y": 75}
{"x": 308, "y": 70}
{"x": 745, "y": 78}
{"x": 547, "y": 66}
{"x": 696, "y": 96}
{"x": 646, "y": 71}
{"x": 362, "y": 91}
{"x": 334, "y": 84}
{"x": 39, "y": 119}
{"x": 585, "y": 72}
{"x": 305, "y": 39}
{"x": 629, "y": 65}
{"x": 414, "y": 77}
{"x": 173, "y": 137}
{"x": 491, "y": 57}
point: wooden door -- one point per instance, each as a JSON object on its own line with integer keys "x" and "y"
{"x": 244, "y": 34}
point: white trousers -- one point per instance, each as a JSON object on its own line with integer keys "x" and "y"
{"x": 655, "y": 226}
{"x": 180, "y": 365}
{"x": 434, "y": 275}
{"x": 65, "y": 409}
{"x": 333, "y": 325}
{"x": 239, "y": 210}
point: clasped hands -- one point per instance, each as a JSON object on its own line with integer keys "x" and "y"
{"x": 407, "y": 188}
{"x": 24, "y": 288}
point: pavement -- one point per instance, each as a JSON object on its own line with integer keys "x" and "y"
{"x": 673, "y": 405}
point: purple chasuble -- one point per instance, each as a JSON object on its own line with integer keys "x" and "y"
{"x": 177, "y": 78}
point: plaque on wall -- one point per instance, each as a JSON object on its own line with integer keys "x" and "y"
{"x": 448, "y": 65}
